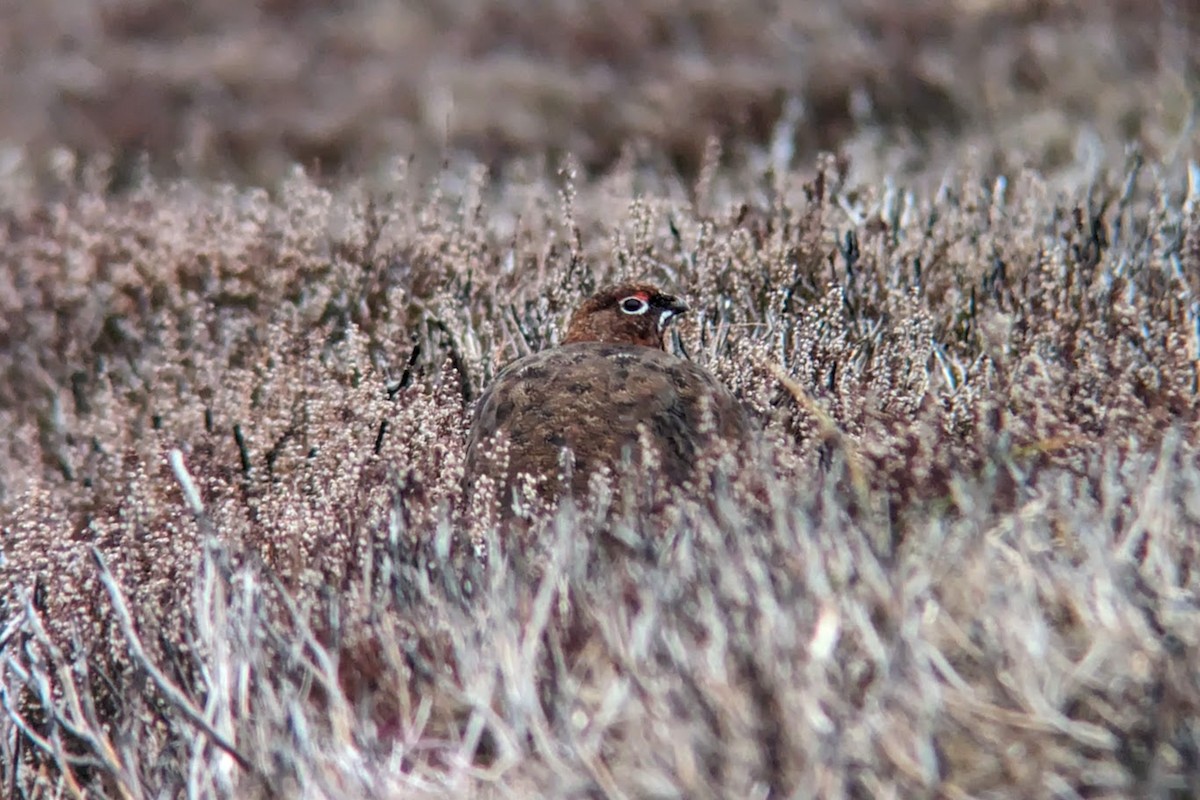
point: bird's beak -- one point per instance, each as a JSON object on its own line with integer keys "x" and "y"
{"x": 671, "y": 307}
{"x": 675, "y": 305}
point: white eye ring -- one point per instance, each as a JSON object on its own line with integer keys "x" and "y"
{"x": 634, "y": 305}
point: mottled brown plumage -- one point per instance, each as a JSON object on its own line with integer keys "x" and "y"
{"x": 590, "y": 395}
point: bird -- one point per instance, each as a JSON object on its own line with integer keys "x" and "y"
{"x": 597, "y": 399}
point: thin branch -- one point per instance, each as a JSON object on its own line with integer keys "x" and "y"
{"x": 171, "y": 692}
{"x": 53, "y": 748}
{"x": 69, "y": 714}
{"x": 190, "y": 493}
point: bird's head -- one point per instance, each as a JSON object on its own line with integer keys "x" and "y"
{"x": 628, "y": 313}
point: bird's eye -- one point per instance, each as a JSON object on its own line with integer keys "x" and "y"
{"x": 634, "y": 305}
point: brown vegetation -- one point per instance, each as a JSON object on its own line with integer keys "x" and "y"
{"x": 229, "y": 88}
{"x": 235, "y": 558}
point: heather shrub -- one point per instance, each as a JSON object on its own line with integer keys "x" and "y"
{"x": 240, "y": 341}
{"x": 237, "y": 90}
{"x": 237, "y": 559}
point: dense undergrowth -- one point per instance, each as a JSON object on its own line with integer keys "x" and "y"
{"x": 236, "y": 433}
{"x": 235, "y": 559}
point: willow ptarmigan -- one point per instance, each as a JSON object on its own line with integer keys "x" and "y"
{"x": 610, "y": 387}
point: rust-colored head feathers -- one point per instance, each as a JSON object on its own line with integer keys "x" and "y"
{"x": 608, "y": 390}
{"x": 631, "y": 313}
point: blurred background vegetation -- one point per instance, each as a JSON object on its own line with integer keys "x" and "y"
{"x": 239, "y": 90}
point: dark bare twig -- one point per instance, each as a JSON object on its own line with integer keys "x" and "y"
{"x": 243, "y": 450}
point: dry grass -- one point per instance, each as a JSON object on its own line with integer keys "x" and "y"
{"x": 970, "y": 572}
{"x": 235, "y": 559}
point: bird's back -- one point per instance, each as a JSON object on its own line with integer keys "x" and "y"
{"x": 591, "y": 398}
